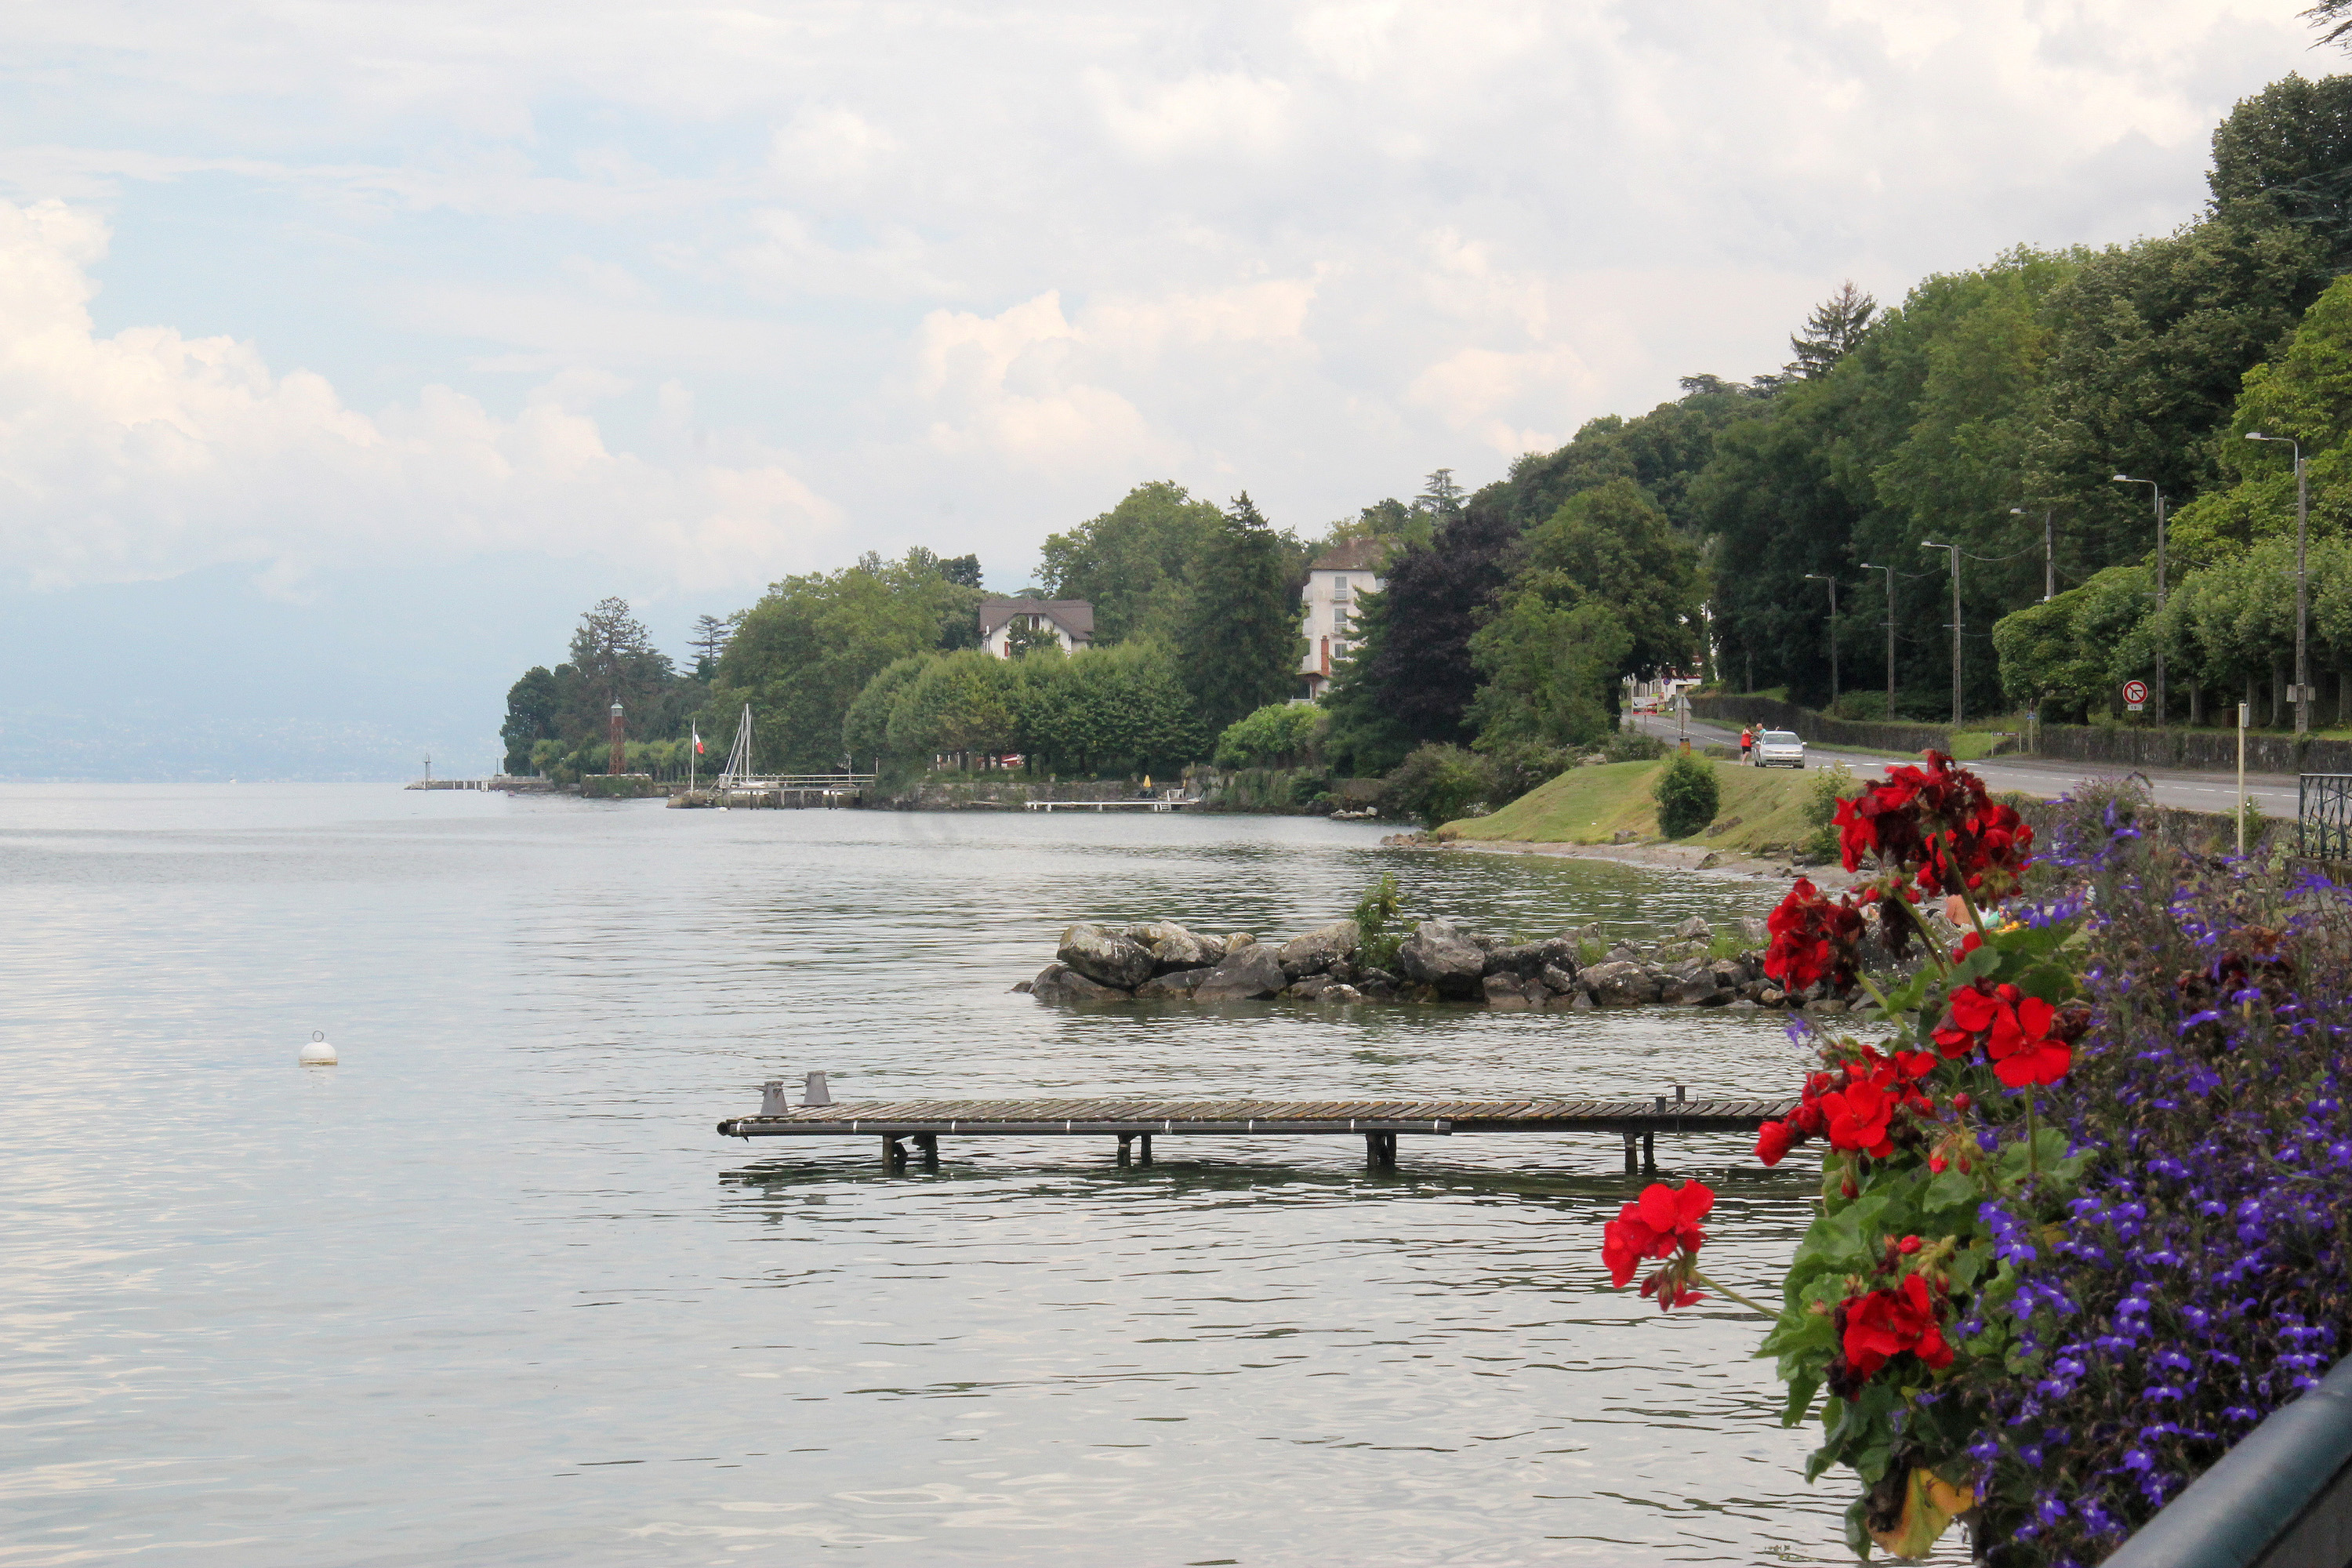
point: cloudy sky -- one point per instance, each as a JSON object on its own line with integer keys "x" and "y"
{"x": 348, "y": 350}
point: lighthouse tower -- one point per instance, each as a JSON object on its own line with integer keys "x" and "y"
{"x": 619, "y": 762}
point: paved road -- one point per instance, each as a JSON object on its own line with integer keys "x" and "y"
{"x": 2273, "y": 794}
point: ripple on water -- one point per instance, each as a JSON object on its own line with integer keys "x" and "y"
{"x": 491, "y": 1292}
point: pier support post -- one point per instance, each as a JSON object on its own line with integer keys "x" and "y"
{"x": 894, "y": 1155}
{"x": 1124, "y": 1157}
{"x": 1380, "y": 1151}
{"x": 929, "y": 1142}
{"x": 1633, "y": 1155}
{"x": 1649, "y": 1154}
{"x": 1147, "y": 1148}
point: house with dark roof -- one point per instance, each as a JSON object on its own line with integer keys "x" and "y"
{"x": 1334, "y": 580}
{"x": 1072, "y": 622}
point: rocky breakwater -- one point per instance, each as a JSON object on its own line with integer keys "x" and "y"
{"x": 1161, "y": 961}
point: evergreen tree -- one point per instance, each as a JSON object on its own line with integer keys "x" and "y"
{"x": 1241, "y": 641}
{"x": 1831, "y": 332}
{"x": 710, "y": 640}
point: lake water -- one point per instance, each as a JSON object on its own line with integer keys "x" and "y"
{"x": 492, "y": 1292}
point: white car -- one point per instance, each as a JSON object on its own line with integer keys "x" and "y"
{"x": 1779, "y": 749}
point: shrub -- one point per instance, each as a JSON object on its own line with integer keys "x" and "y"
{"x": 1436, "y": 784}
{"x": 1828, "y": 786}
{"x": 1515, "y": 769}
{"x": 1686, "y": 796}
{"x": 1632, "y": 746}
{"x": 1278, "y": 736}
{"x": 1376, "y": 919}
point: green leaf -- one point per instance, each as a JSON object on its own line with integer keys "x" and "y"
{"x": 1857, "y": 1528}
{"x": 1951, "y": 1190}
{"x": 1801, "y": 1399}
{"x": 1976, "y": 965}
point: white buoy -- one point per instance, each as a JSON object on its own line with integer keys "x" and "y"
{"x": 317, "y": 1052}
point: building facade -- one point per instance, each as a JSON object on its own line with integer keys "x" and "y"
{"x": 1334, "y": 582}
{"x": 1072, "y": 622}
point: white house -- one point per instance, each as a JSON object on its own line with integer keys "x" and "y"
{"x": 1333, "y": 580}
{"x": 1072, "y": 622}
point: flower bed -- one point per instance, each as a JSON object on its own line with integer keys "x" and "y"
{"x": 2084, "y": 1194}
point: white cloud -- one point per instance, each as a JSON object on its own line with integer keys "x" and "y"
{"x": 145, "y": 454}
{"x": 1205, "y": 112}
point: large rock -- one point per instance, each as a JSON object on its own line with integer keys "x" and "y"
{"x": 1105, "y": 956}
{"x": 1620, "y": 985}
{"x": 1176, "y": 984}
{"x": 1172, "y": 948}
{"x": 1440, "y": 956}
{"x": 1562, "y": 982}
{"x": 1248, "y": 972}
{"x": 1060, "y": 982}
{"x": 1693, "y": 930}
{"x": 1509, "y": 992}
{"x": 1318, "y": 951}
{"x": 1530, "y": 959}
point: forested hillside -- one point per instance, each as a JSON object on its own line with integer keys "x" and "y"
{"x": 1989, "y": 409}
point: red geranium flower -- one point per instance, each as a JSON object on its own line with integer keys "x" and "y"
{"x": 1772, "y": 1142}
{"x": 1663, "y": 1223}
{"x": 2016, "y": 1030}
{"x": 1857, "y": 1119}
{"x": 1936, "y": 825}
{"x": 1886, "y": 1323}
{"x": 1812, "y": 938}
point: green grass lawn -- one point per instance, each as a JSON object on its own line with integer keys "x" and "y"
{"x": 1762, "y": 808}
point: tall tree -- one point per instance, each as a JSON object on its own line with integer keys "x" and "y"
{"x": 1831, "y": 332}
{"x": 710, "y": 640}
{"x": 1132, "y": 563}
{"x": 1412, "y": 679}
{"x": 535, "y": 707}
{"x": 1611, "y": 545}
{"x": 1242, "y": 643}
{"x": 1440, "y": 497}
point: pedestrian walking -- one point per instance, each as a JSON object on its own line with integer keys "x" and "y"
{"x": 1746, "y": 747}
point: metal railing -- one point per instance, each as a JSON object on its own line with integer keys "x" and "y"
{"x": 2281, "y": 1499}
{"x": 2323, "y": 816}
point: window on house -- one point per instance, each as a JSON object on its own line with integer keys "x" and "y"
{"x": 1338, "y": 617}
{"x": 1340, "y": 590}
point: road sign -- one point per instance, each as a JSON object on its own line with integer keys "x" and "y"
{"x": 2136, "y": 693}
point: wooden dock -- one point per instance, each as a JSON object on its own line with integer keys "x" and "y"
{"x": 1144, "y": 803}
{"x": 1378, "y": 1123}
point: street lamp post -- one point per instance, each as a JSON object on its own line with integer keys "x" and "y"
{"x": 2158, "y": 491}
{"x": 1817, "y": 577}
{"x": 1931, "y": 544}
{"x": 2301, "y": 516}
{"x": 2048, "y": 556}
{"x": 1890, "y": 636}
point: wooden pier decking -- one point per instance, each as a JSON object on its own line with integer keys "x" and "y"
{"x": 1378, "y": 1121}
{"x": 1177, "y": 802}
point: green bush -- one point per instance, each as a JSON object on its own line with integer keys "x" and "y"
{"x": 1376, "y": 918}
{"x": 1632, "y": 746}
{"x": 1278, "y": 736}
{"x": 1436, "y": 784}
{"x": 1515, "y": 768}
{"x": 1828, "y": 786}
{"x": 1686, "y": 796}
